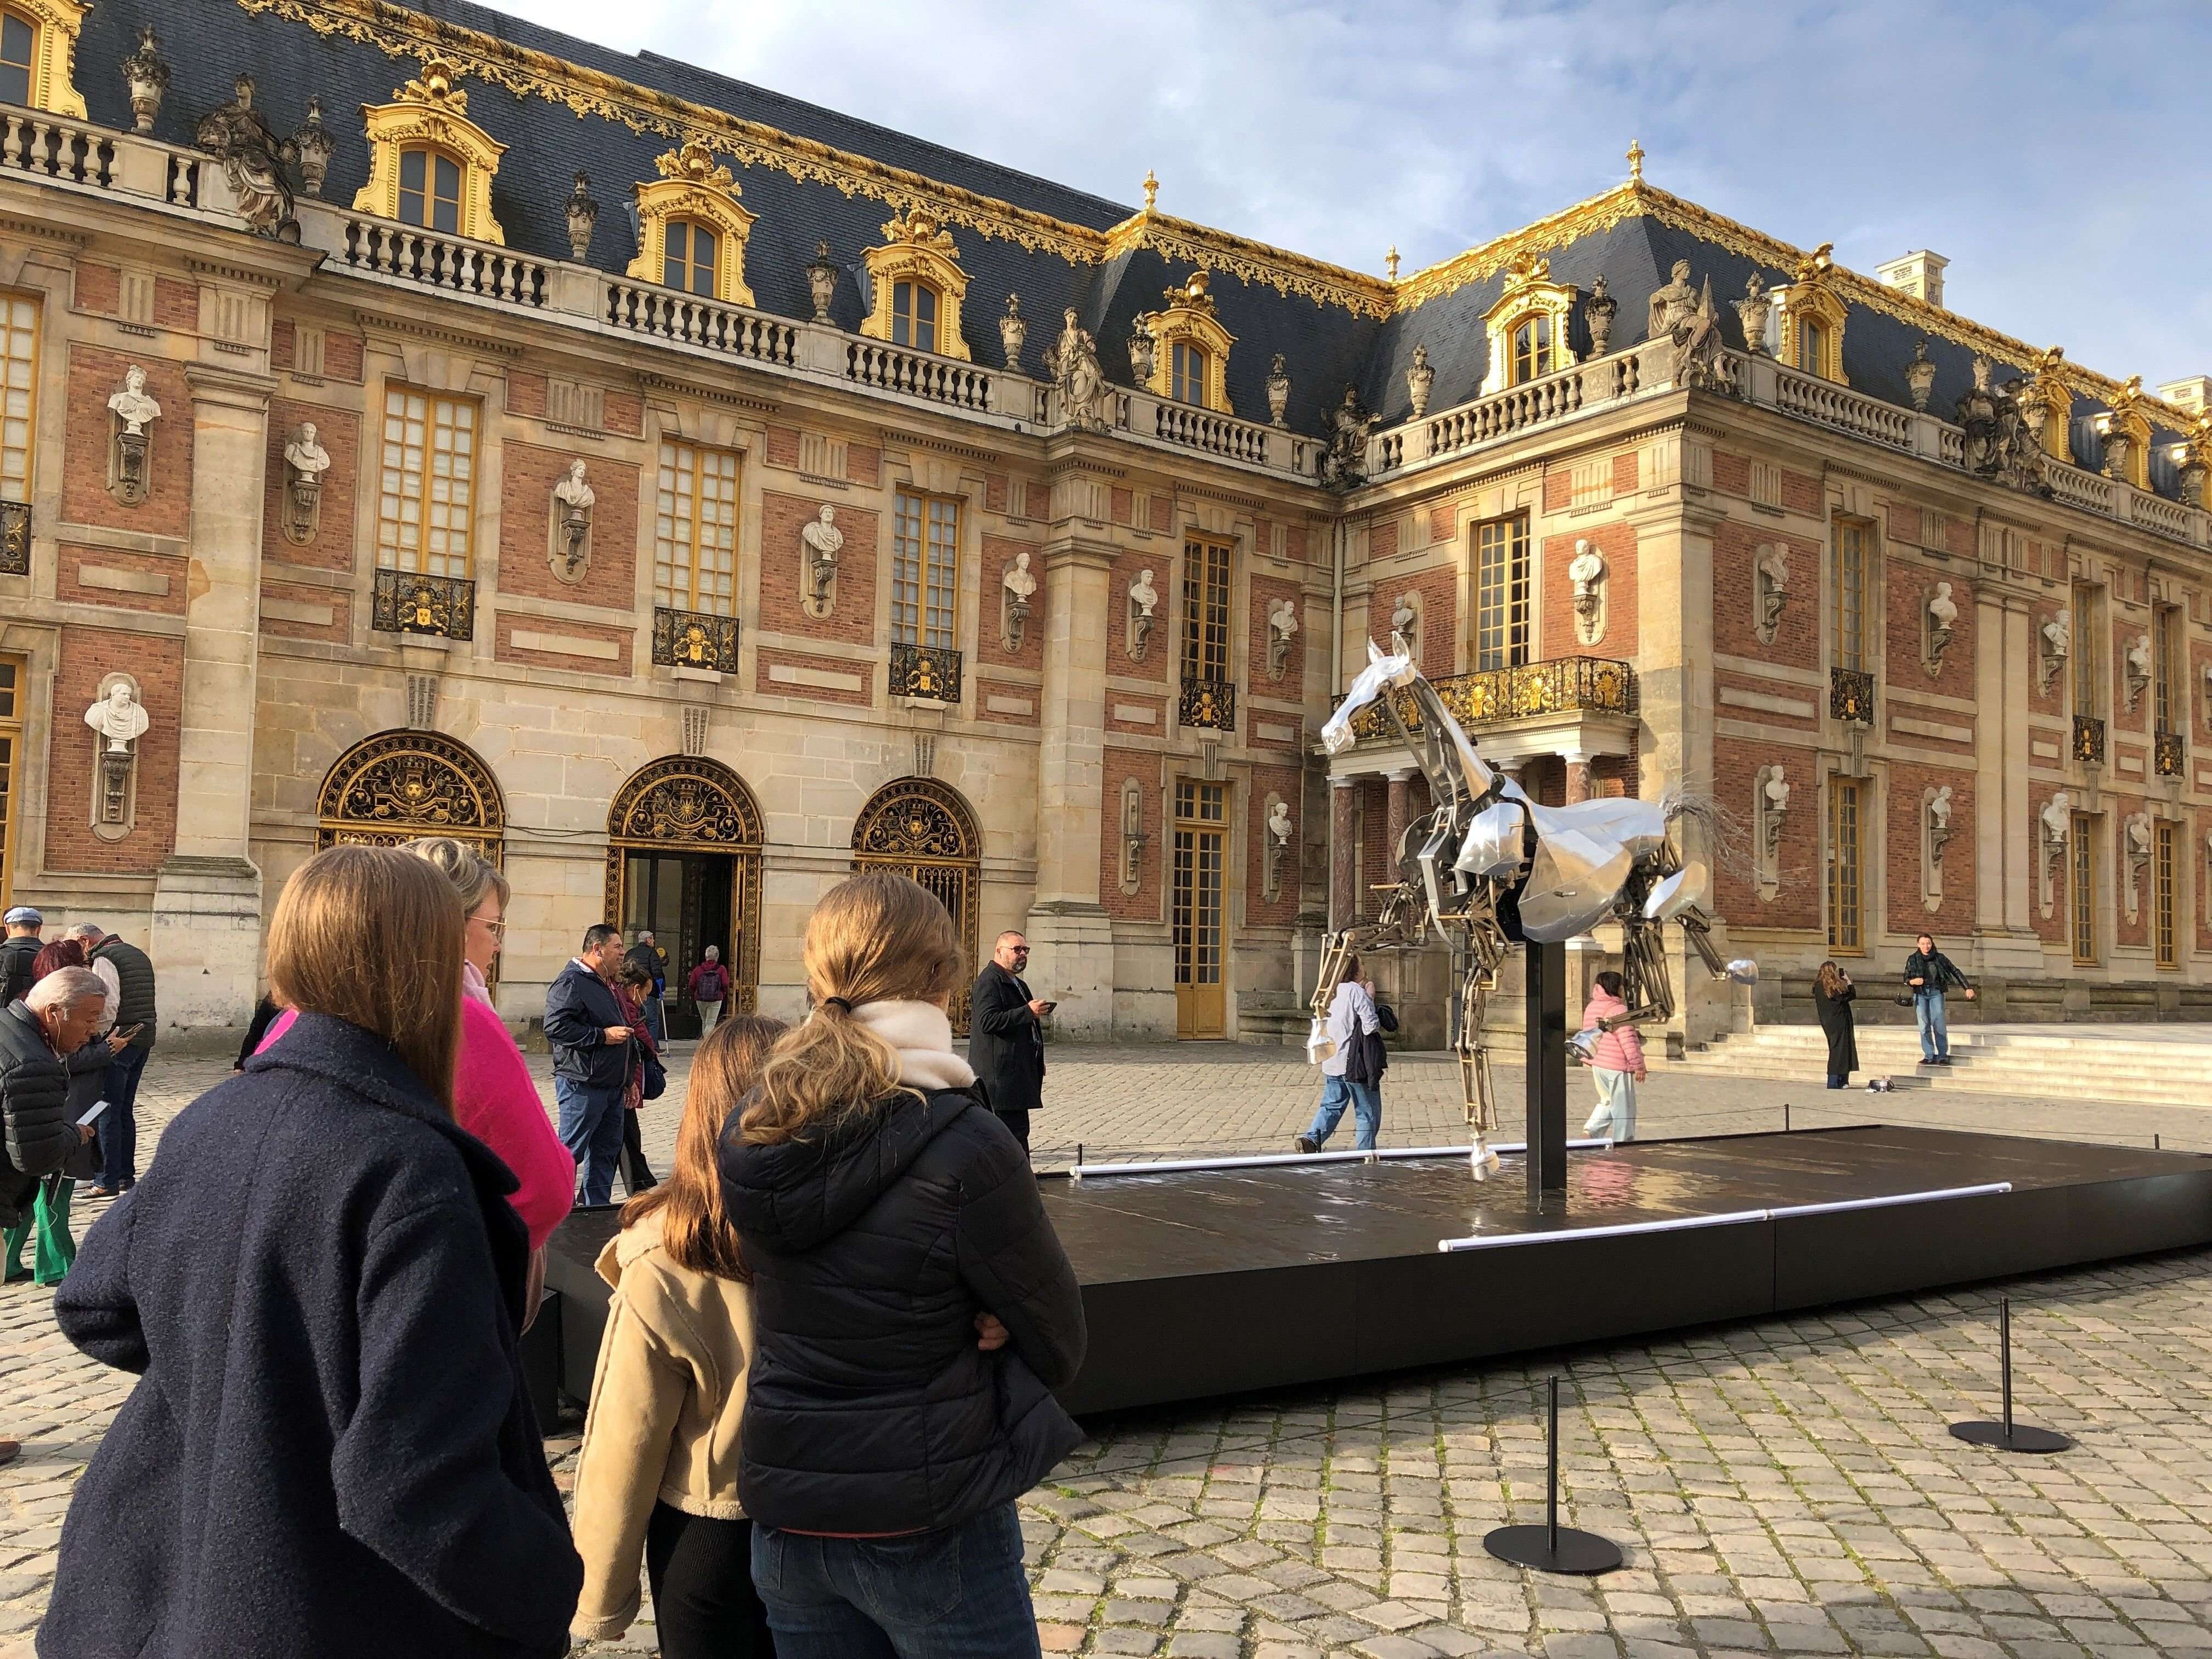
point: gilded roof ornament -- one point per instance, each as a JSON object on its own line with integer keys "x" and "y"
{"x": 917, "y": 227}
{"x": 435, "y": 86}
{"x": 1636, "y": 161}
{"x": 1816, "y": 267}
{"x": 1151, "y": 191}
{"x": 1390, "y": 263}
{"x": 694, "y": 164}
{"x": 1524, "y": 269}
{"x": 1192, "y": 295}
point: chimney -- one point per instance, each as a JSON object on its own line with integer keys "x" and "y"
{"x": 2192, "y": 396}
{"x": 1920, "y": 275}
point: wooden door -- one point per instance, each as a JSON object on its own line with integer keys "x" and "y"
{"x": 1200, "y": 868}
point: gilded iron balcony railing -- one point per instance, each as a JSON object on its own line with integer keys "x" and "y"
{"x": 1208, "y": 704}
{"x": 2169, "y": 750}
{"x": 1558, "y": 685}
{"x": 406, "y": 603}
{"x": 928, "y": 671}
{"x": 14, "y": 538}
{"x": 691, "y": 639}
{"x": 1850, "y": 695}
{"x": 2088, "y": 740}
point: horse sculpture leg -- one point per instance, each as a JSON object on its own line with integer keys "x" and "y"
{"x": 1480, "y": 1098}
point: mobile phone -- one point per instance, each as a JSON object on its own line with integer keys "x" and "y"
{"x": 92, "y": 1114}
{"x": 1049, "y": 1007}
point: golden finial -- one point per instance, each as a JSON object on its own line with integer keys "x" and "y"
{"x": 1390, "y": 263}
{"x": 1636, "y": 159}
{"x": 1151, "y": 191}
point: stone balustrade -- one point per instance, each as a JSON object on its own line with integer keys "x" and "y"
{"x": 685, "y": 320}
{"x": 920, "y": 374}
{"x": 454, "y": 264}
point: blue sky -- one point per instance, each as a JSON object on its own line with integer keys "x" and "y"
{"x": 2054, "y": 153}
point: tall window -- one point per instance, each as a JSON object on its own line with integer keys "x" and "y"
{"x": 1532, "y": 349}
{"x": 14, "y": 675}
{"x": 2166, "y": 651}
{"x": 1846, "y": 874}
{"x": 430, "y": 190}
{"x": 2081, "y": 909}
{"x": 925, "y": 570}
{"x": 1188, "y": 365}
{"x": 2089, "y": 658}
{"x": 914, "y": 315}
{"x": 1205, "y": 611}
{"x": 19, "y": 379}
{"x": 1196, "y": 909}
{"x": 427, "y": 486}
{"x": 2162, "y": 880}
{"x": 694, "y": 530}
{"x": 687, "y": 260}
{"x": 18, "y": 40}
{"x": 1501, "y": 592}
{"x": 1812, "y": 345}
{"x": 1854, "y": 549}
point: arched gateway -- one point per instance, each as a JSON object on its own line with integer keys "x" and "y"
{"x": 922, "y": 829}
{"x": 683, "y": 857}
{"x": 398, "y": 787}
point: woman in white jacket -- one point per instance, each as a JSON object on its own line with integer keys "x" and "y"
{"x": 1351, "y": 1011}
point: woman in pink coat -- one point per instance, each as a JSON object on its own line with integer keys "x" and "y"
{"x": 1616, "y": 1062}
{"x": 494, "y": 1098}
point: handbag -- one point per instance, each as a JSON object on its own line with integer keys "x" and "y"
{"x": 1385, "y": 1016}
{"x": 655, "y": 1082}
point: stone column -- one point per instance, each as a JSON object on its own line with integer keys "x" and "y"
{"x": 1343, "y": 852}
{"x": 206, "y": 943}
{"x": 1400, "y": 810}
{"x": 1578, "y": 776}
{"x": 1071, "y": 940}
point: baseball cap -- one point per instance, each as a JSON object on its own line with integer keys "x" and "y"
{"x": 23, "y": 916}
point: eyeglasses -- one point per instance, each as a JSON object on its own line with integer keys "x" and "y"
{"x": 495, "y": 925}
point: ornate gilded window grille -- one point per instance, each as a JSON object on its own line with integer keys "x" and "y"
{"x": 1501, "y": 592}
{"x": 925, "y": 671}
{"x": 2088, "y": 740}
{"x": 921, "y": 829}
{"x": 669, "y": 809}
{"x": 2169, "y": 752}
{"x": 407, "y": 604}
{"x": 397, "y": 786}
{"x": 1850, "y": 695}
{"x": 14, "y": 538}
{"x": 426, "y": 491}
{"x": 695, "y": 533}
{"x": 686, "y": 639}
{"x": 1557, "y": 685}
{"x": 1208, "y": 704}
{"x": 2081, "y": 911}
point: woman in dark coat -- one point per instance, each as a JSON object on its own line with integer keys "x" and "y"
{"x": 912, "y": 1308}
{"x": 1832, "y": 992}
{"x": 320, "y": 1280}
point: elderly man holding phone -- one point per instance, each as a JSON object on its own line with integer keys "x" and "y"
{"x": 1005, "y": 1037}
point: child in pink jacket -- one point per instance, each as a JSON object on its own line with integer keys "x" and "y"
{"x": 1616, "y": 1062}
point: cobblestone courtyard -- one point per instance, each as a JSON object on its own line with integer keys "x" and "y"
{"x": 1783, "y": 1487}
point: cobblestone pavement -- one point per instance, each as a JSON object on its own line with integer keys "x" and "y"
{"x": 1781, "y": 1488}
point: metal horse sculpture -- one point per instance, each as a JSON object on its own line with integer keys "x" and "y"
{"x": 1486, "y": 867}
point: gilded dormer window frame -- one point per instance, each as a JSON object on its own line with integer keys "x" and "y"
{"x": 1807, "y": 297}
{"x": 2045, "y": 388}
{"x": 2125, "y": 415}
{"x": 55, "y": 25}
{"x": 1530, "y": 294}
{"x": 431, "y": 112}
{"x": 1188, "y": 319}
{"x": 915, "y": 249}
{"x": 693, "y": 187}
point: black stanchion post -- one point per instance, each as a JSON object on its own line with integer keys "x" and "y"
{"x": 1552, "y": 1547}
{"x": 2009, "y": 1436}
{"x": 1785, "y": 1117}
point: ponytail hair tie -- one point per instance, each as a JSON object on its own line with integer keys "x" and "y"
{"x": 838, "y": 1003}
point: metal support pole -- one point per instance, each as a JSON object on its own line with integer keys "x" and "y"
{"x": 1552, "y": 1474}
{"x": 1546, "y": 969}
{"x": 2004, "y": 1359}
{"x": 2005, "y": 1434}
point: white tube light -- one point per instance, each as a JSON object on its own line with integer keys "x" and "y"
{"x": 1732, "y": 1217}
{"x": 1275, "y": 1160}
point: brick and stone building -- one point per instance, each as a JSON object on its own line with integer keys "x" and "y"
{"x": 687, "y": 494}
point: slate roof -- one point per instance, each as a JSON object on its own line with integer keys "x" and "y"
{"x": 1326, "y": 344}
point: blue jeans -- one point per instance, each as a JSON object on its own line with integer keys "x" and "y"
{"x": 117, "y": 1127}
{"x": 957, "y": 1593}
{"x": 1935, "y": 1034}
{"x": 592, "y": 1130}
{"x": 1365, "y": 1100}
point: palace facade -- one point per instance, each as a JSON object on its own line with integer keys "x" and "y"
{"x": 689, "y": 494}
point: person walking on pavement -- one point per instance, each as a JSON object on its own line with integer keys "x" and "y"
{"x": 38, "y": 1034}
{"x": 1616, "y": 1061}
{"x": 709, "y": 987}
{"x": 1351, "y": 1015}
{"x": 18, "y": 951}
{"x": 1929, "y": 973}
{"x": 135, "y": 1012}
{"x": 647, "y": 957}
{"x": 1832, "y": 995}
{"x": 631, "y": 989}
{"x": 590, "y": 1041}
{"x": 1005, "y": 1037}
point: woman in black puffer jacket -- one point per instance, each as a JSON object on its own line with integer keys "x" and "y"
{"x": 913, "y": 1310}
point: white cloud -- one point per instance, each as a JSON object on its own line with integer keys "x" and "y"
{"x": 2048, "y": 150}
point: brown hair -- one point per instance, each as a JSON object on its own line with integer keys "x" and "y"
{"x": 1831, "y": 980}
{"x": 372, "y": 935}
{"x": 56, "y": 953}
{"x": 695, "y": 1228}
{"x": 875, "y": 938}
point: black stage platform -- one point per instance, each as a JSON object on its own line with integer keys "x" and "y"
{"x": 1222, "y": 1281}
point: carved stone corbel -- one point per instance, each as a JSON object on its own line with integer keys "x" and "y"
{"x": 1940, "y": 617}
{"x": 1770, "y": 813}
{"x": 2055, "y": 828}
{"x": 1770, "y": 584}
{"x": 1934, "y": 836}
{"x": 1133, "y": 835}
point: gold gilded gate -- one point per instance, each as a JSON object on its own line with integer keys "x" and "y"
{"x": 920, "y": 828}
{"x": 691, "y": 826}
{"x": 398, "y": 787}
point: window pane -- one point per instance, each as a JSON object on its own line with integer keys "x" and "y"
{"x": 2083, "y": 908}
{"x": 1502, "y": 594}
{"x": 1844, "y": 891}
{"x": 941, "y": 590}
{"x": 1851, "y": 594}
{"x": 445, "y": 212}
{"x": 426, "y": 489}
{"x": 702, "y": 261}
{"x": 675, "y": 260}
{"x": 16, "y": 40}
{"x": 2168, "y": 956}
{"x": 906, "y": 569}
{"x": 694, "y": 518}
{"x": 19, "y": 346}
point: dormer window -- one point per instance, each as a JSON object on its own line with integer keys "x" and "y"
{"x": 1189, "y": 368}
{"x": 1532, "y": 349}
{"x": 914, "y": 309}
{"x": 1810, "y": 337}
{"x": 430, "y": 190}
{"x": 37, "y": 47}
{"x": 688, "y": 259}
{"x": 1527, "y": 327}
{"x": 1812, "y": 343}
{"x": 19, "y": 41}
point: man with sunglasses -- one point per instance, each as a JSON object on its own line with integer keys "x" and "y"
{"x": 1005, "y": 1037}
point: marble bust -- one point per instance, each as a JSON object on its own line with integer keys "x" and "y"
{"x": 132, "y": 405}
{"x": 308, "y": 460}
{"x": 119, "y": 717}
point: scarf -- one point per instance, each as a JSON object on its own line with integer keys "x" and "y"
{"x": 920, "y": 1034}
{"x": 472, "y": 983}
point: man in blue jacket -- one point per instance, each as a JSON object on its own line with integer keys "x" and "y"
{"x": 591, "y": 1058}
